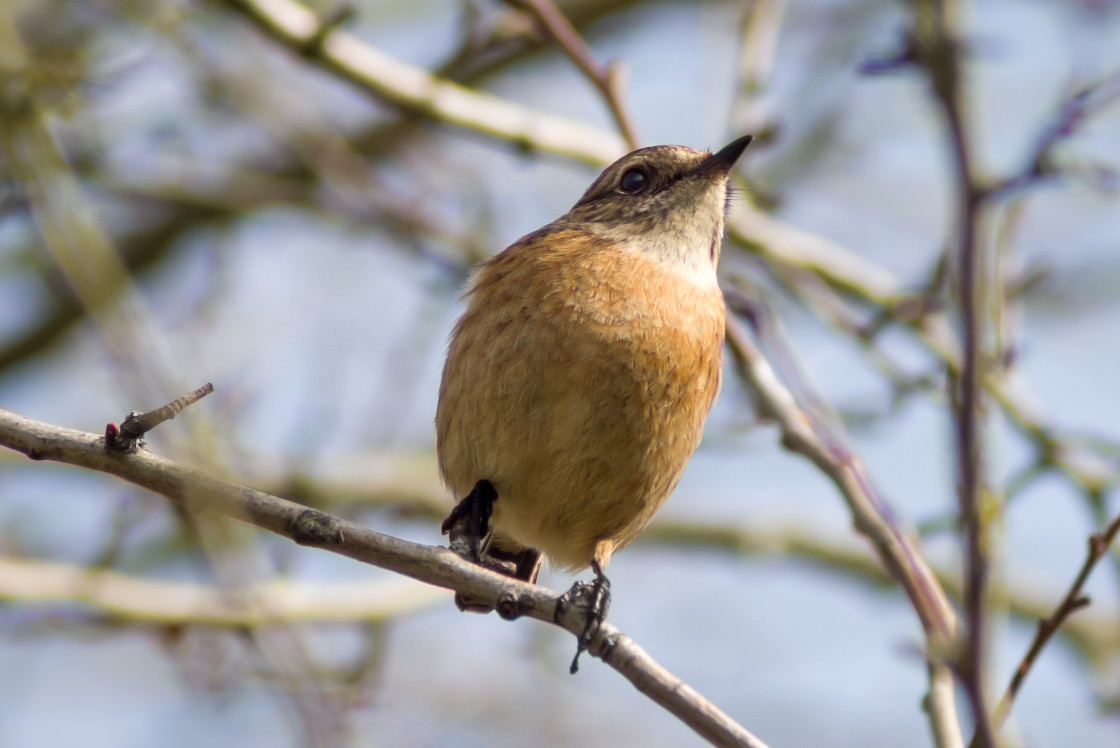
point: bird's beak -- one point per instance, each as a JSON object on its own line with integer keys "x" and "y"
{"x": 724, "y": 159}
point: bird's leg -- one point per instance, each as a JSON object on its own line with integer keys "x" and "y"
{"x": 468, "y": 525}
{"x": 524, "y": 564}
{"x": 598, "y": 601}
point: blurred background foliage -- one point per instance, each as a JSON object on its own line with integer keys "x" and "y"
{"x": 184, "y": 199}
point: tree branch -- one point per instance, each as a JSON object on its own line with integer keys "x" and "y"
{"x": 417, "y": 91}
{"x": 197, "y": 491}
{"x": 137, "y": 600}
{"x": 936, "y": 44}
{"x": 899, "y": 556}
{"x": 610, "y": 80}
{"x": 1099, "y": 544}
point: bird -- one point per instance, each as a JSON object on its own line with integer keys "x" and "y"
{"x": 579, "y": 377}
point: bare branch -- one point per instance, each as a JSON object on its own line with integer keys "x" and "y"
{"x": 406, "y": 485}
{"x": 762, "y": 26}
{"x": 137, "y": 600}
{"x": 1074, "y": 601}
{"x": 935, "y": 45}
{"x": 197, "y": 491}
{"x": 897, "y": 553}
{"x": 1070, "y": 115}
{"x": 417, "y": 91}
{"x": 610, "y": 80}
{"x": 126, "y": 437}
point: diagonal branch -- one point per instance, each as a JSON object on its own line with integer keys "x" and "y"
{"x": 1099, "y": 543}
{"x": 897, "y": 553}
{"x": 198, "y": 491}
{"x": 610, "y": 80}
{"x": 415, "y": 90}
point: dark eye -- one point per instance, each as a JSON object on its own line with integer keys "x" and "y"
{"x": 634, "y": 180}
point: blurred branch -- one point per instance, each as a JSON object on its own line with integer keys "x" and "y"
{"x": 415, "y": 90}
{"x": 927, "y": 43}
{"x": 1071, "y": 114}
{"x": 511, "y": 37}
{"x": 934, "y": 44}
{"x": 896, "y": 552}
{"x": 785, "y": 246}
{"x": 78, "y": 243}
{"x": 610, "y": 80}
{"x": 178, "y": 197}
{"x": 198, "y": 491}
{"x": 1099, "y": 543}
{"x": 225, "y": 189}
{"x": 83, "y": 250}
{"x": 937, "y": 47}
{"x": 762, "y": 26}
{"x": 138, "y": 600}
{"x": 139, "y": 251}
{"x": 1096, "y": 639}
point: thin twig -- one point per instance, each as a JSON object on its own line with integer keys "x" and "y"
{"x": 199, "y": 491}
{"x": 1099, "y": 543}
{"x": 1070, "y": 115}
{"x": 609, "y": 79}
{"x": 126, "y": 437}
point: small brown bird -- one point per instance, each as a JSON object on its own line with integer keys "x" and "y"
{"x": 578, "y": 380}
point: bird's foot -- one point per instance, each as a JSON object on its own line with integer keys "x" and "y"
{"x": 468, "y": 524}
{"x": 595, "y": 598}
{"x": 524, "y": 565}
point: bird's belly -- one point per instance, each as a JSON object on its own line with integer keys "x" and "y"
{"x": 579, "y": 389}
{"x": 589, "y": 438}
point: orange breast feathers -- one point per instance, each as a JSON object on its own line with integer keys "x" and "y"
{"x": 577, "y": 383}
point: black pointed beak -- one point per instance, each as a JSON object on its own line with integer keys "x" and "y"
{"x": 724, "y": 159}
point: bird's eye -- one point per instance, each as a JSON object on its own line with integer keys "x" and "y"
{"x": 634, "y": 180}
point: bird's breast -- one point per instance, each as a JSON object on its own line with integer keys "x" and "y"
{"x": 578, "y": 382}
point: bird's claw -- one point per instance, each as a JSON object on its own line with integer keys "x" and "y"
{"x": 595, "y": 598}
